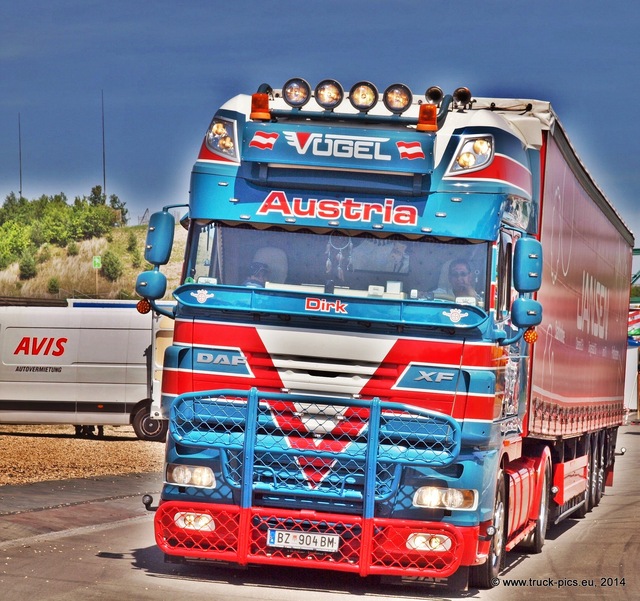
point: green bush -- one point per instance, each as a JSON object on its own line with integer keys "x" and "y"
{"x": 136, "y": 258}
{"x": 73, "y": 250}
{"x": 44, "y": 254}
{"x": 53, "y": 287}
{"x": 132, "y": 243}
{"x": 111, "y": 266}
{"x": 27, "y": 265}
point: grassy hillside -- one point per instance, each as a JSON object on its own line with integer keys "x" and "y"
{"x": 75, "y": 275}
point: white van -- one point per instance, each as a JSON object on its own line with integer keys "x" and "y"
{"x": 89, "y": 362}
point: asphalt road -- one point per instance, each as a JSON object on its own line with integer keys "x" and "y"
{"x": 93, "y": 539}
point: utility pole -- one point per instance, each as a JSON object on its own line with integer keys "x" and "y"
{"x": 104, "y": 158}
{"x": 20, "y": 156}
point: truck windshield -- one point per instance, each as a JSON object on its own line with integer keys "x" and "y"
{"x": 343, "y": 262}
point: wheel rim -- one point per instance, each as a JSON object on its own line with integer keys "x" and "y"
{"x": 542, "y": 517}
{"x": 150, "y": 426}
{"x": 498, "y": 537}
{"x": 595, "y": 477}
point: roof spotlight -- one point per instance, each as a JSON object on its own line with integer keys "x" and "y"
{"x": 329, "y": 94}
{"x": 363, "y": 96}
{"x": 462, "y": 96}
{"x": 397, "y": 98}
{"x": 296, "y": 92}
{"x": 434, "y": 95}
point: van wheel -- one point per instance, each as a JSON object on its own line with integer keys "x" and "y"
{"x": 486, "y": 575}
{"x": 148, "y": 428}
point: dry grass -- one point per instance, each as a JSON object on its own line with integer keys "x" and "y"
{"x": 76, "y": 276}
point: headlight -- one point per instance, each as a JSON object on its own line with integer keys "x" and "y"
{"x": 199, "y": 476}
{"x": 473, "y": 153}
{"x": 433, "y": 497}
{"x": 221, "y": 138}
{"x": 296, "y": 92}
{"x": 329, "y": 94}
{"x": 363, "y": 96}
{"x": 397, "y": 98}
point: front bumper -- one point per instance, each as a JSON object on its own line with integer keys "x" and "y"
{"x": 368, "y": 546}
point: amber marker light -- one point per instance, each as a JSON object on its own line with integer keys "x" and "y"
{"x": 530, "y": 336}
{"x": 260, "y": 107}
{"x": 428, "y": 118}
{"x": 143, "y": 306}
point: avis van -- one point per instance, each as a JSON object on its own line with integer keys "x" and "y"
{"x": 89, "y": 362}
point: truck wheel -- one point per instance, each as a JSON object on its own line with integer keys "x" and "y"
{"x": 535, "y": 541}
{"x": 148, "y": 428}
{"x": 486, "y": 575}
{"x": 586, "y": 506}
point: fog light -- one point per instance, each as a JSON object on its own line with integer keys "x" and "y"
{"x": 296, "y": 92}
{"x": 397, "y": 98}
{"x": 329, "y": 94}
{"x": 187, "y": 520}
{"x": 363, "y": 96}
{"x": 423, "y": 541}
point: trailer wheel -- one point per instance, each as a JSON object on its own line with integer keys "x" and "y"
{"x": 486, "y": 575}
{"x": 148, "y": 428}
{"x": 597, "y": 472}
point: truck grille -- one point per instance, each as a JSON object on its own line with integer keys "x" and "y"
{"x": 288, "y": 450}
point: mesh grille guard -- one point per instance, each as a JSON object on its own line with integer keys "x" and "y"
{"x": 325, "y": 449}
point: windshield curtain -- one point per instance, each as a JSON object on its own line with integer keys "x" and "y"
{"x": 338, "y": 261}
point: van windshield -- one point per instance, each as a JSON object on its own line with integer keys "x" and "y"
{"x": 339, "y": 261}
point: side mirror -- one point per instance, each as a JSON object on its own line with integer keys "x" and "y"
{"x": 151, "y": 284}
{"x": 526, "y": 313}
{"x": 159, "y": 241}
{"x": 527, "y": 265}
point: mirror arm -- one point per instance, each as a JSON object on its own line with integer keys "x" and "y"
{"x": 503, "y": 341}
{"x": 162, "y": 311}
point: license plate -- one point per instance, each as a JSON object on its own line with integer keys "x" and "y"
{"x": 306, "y": 541}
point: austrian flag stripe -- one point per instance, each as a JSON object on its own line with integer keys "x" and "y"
{"x": 264, "y": 140}
{"x": 410, "y": 150}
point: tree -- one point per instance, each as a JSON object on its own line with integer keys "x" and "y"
{"x": 97, "y": 197}
{"x": 15, "y": 209}
{"x": 117, "y": 205}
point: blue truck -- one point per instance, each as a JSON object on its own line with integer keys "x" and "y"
{"x": 354, "y": 382}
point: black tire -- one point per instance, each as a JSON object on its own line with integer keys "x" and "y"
{"x": 148, "y": 428}
{"x": 486, "y": 575}
{"x": 535, "y": 541}
{"x": 597, "y": 478}
{"x": 585, "y": 508}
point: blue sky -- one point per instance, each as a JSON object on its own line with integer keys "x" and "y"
{"x": 164, "y": 67}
